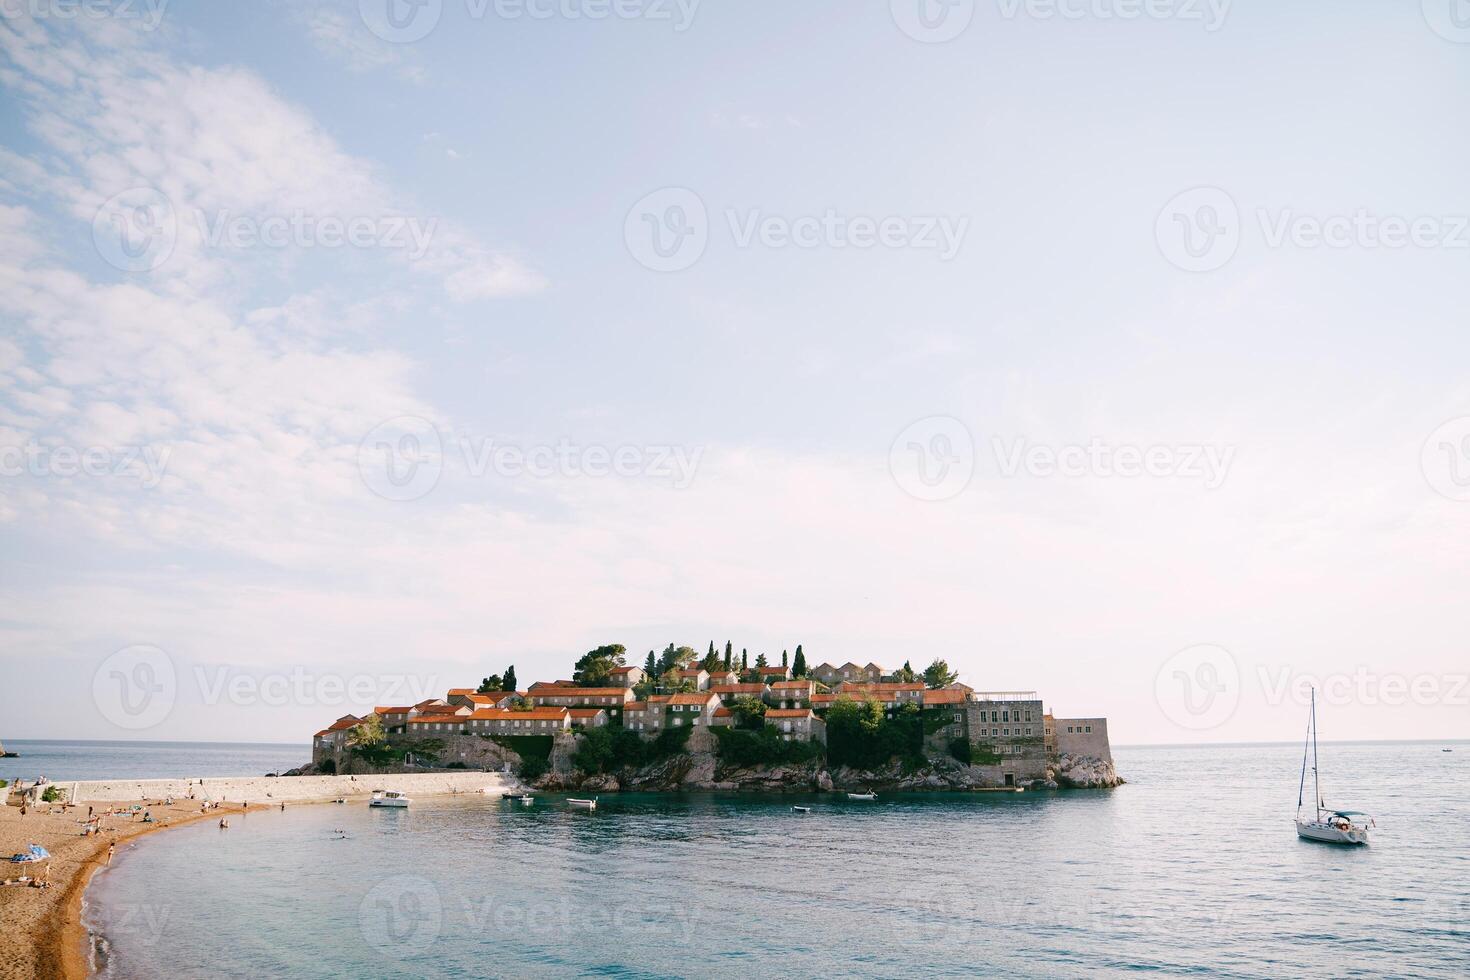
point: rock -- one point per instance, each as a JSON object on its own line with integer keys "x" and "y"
{"x": 1086, "y": 772}
{"x": 824, "y": 781}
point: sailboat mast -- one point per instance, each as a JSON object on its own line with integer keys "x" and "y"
{"x": 1316, "y": 778}
{"x": 1301, "y": 789}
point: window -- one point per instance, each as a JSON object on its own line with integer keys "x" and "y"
{"x": 1088, "y": 729}
{"x": 1005, "y": 716}
{"x": 1028, "y": 731}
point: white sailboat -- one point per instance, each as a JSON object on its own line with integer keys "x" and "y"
{"x": 1325, "y": 825}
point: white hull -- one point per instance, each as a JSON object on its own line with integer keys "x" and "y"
{"x": 391, "y": 804}
{"x": 1327, "y": 834}
{"x": 862, "y": 796}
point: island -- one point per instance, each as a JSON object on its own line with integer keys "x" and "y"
{"x": 682, "y": 722}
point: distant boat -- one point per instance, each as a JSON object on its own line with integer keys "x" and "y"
{"x": 510, "y": 796}
{"x": 1447, "y": 750}
{"x": 1327, "y": 826}
{"x": 862, "y": 796}
{"x": 584, "y": 804}
{"x": 389, "y": 798}
{"x": 801, "y": 809}
{"x": 528, "y": 799}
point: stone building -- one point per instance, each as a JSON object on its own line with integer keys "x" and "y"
{"x": 1007, "y": 732}
{"x": 797, "y": 724}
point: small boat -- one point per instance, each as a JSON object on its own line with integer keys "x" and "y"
{"x": 527, "y": 799}
{"x": 862, "y": 796}
{"x": 801, "y": 809}
{"x": 510, "y": 796}
{"x": 583, "y": 804}
{"x": 1326, "y": 825}
{"x": 339, "y": 800}
{"x": 389, "y": 798}
{"x": 1447, "y": 750}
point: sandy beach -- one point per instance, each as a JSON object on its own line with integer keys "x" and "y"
{"x": 44, "y": 936}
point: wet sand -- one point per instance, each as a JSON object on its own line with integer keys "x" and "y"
{"x": 44, "y": 936}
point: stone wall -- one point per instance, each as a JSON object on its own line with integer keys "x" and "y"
{"x": 1081, "y": 743}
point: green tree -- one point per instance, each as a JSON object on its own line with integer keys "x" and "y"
{"x": 491, "y": 683}
{"x": 748, "y": 711}
{"x": 938, "y": 675}
{"x": 785, "y": 660}
{"x": 744, "y": 660}
{"x": 906, "y": 673}
{"x": 729, "y": 650}
{"x": 509, "y": 684}
{"x": 596, "y": 666}
{"x": 367, "y": 733}
{"x": 760, "y": 662}
{"x": 676, "y": 658}
{"x": 650, "y": 666}
{"x": 670, "y": 682}
{"x": 798, "y": 663}
{"x": 711, "y": 660}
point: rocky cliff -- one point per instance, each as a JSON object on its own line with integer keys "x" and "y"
{"x": 701, "y": 769}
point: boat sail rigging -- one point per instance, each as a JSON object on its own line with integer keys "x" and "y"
{"x": 1325, "y": 825}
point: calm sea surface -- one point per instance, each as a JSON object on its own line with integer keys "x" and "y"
{"x": 62, "y": 761}
{"x": 1193, "y": 868}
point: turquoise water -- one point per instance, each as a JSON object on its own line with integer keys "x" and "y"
{"x": 1193, "y": 868}
{"x": 63, "y": 761}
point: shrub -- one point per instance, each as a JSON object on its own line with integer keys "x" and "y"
{"x": 52, "y": 794}
{"x": 960, "y": 749}
{"x": 761, "y": 748}
{"x": 534, "y": 750}
{"x": 860, "y": 735}
{"x": 328, "y": 767}
{"x": 614, "y": 749}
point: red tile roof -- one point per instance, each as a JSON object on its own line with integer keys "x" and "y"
{"x": 944, "y": 697}
{"x": 788, "y": 712}
{"x": 391, "y": 711}
{"x": 573, "y": 691}
{"x": 635, "y": 706}
{"x": 505, "y": 714}
{"x": 701, "y": 698}
{"x": 791, "y": 685}
{"x": 737, "y": 688}
{"x": 588, "y": 712}
{"x": 461, "y": 691}
{"x": 439, "y": 719}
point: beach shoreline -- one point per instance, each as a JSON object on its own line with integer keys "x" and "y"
{"x": 47, "y": 935}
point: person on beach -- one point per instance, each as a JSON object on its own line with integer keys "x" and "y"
{"x": 110, "y": 849}
{"x": 283, "y": 806}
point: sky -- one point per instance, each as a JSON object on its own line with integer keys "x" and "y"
{"x": 351, "y": 351}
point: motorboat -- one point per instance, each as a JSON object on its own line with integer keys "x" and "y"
{"x": 583, "y": 804}
{"x": 801, "y": 809}
{"x": 389, "y": 798}
{"x": 1325, "y": 825}
{"x": 528, "y": 799}
{"x": 862, "y": 796}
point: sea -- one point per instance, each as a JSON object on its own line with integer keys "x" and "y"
{"x": 1192, "y": 868}
{"x": 65, "y": 761}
